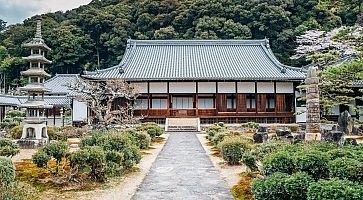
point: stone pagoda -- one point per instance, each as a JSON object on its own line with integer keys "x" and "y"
{"x": 35, "y": 125}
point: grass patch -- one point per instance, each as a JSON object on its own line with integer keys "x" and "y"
{"x": 158, "y": 140}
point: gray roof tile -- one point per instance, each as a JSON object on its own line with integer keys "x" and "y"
{"x": 199, "y": 60}
{"x": 59, "y": 83}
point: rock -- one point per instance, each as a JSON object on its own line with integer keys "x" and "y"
{"x": 283, "y": 133}
{"x": 333, "y": 136}
{"x": 260, "y": 137}
{"x": 350, "y": 141}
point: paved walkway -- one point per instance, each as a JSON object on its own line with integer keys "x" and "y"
{"x": 183, "y": 170}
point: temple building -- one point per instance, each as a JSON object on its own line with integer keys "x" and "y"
{"x": 34, "y": 125}
{"x": 233, "y": 81}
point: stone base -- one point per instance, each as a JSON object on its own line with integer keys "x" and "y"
{"x": 35, "y": 132}
{"x": 312, "y": 137}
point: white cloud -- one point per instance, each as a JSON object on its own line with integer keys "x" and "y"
{"x": 15, "y": 11}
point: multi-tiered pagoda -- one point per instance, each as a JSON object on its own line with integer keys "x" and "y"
{"x": 35, "y": 126}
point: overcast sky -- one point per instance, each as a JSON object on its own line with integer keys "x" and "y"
{"x": 15, "y": 11}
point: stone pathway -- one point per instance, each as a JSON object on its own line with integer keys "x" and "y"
{"x": 183, "y": 170}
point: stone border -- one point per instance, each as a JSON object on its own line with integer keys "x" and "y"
{"x": 229, "y": 173}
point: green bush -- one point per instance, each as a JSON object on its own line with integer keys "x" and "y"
{"x": 346, "y": 168}
{"x": 8, "y": 148}
{"x": 153, "y": 129}
{"x": 214, "y": 129}
{"x": 313, "y": 162}
{"x": 57, "y": 135}
{"x": 280, "y": 186}
{"x": 280, "y": 161}
{"x": 340, "y": 153}
{"x": 16, "y": 132}
{"x": 7, "y": 173}
{"x": 219, "y": 138}
{"x": 232, "y": 149}
{"x": 249, "y": 160}
{"x": 335, "y": 189}
{"x": 143, "y": 140}
{"x": 250, "y": 125}
{"x": 263, "y": 149}
{"x": 57, "y": 150}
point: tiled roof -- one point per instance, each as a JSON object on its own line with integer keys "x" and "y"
{"x": 199, "y": 60}
{"x": 59, "y": 83}
{"x": 10, "y": 100}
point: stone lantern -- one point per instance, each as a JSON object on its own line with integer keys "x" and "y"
{"x": 313, "y": 106}
{"x": 35, "y": 124}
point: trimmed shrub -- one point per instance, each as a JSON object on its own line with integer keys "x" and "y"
{"x": 143, "y": 140}
{"x": 8, "y": 148}
{"x": 340, "y": 153}
{"x": 16, "y": 132}
{"x": 263, "y": 149}
{"x": 313, "y": 162}
{"x": 335, "y": 189}
{"x": 282, "y": 186}
{"x": 250, "y": 161}
{"x": 7, "y": 173}
{"x": 57, "y": 135}
{"x": 54, "y": 150}
{"x": 153, "y": 129}
{"x": 280, "y": 161}
{"x": 232, "y": 149}
{"x": 269, "y": 188}
{"x": 346, "y": 168}
{"x": 219, "y": 138}
{"x": 211, "y": 134}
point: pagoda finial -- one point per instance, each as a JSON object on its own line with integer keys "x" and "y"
{"x": 38, "y": 33}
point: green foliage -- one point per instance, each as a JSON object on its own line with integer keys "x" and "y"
{"x": 250, "y": 125}
{"x": 57, "y": 150}
{"x": 335, "y": 189}
{"x": 315, "y": 163}
{"x": 55, "y": 133}
{"x": 282, "y": 186}
{"x": 219, "y": 138}
{"x": 8, "y": 148}
{"x": 346, "y": 168}
{"x": 12, "y": 118}
{"x": 7, "y": 173}
{"x": 16, "y": 132}
{"x": 249, "y": 160}
{"x": 280, "y": 161}
{"x": 232, "y": 149}
{"x": 143, "y": 140}
{"x": 153, "y": 129}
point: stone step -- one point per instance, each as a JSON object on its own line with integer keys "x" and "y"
{"x": 182, "y": 124}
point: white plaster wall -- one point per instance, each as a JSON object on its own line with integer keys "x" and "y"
{"x": 301, "y": 118}
{"x": 207, "y": 87}
{"x": 246, "y": 87}
{"x": 226, "y": 87}
{"x": 141, "y": 87}
{"x": 284, "y": 87}
{"x": 158, "y": 87}
{"x": 265, "y": 87}
{"x": 182, "y": 87}
{"x": 79, "y": 111}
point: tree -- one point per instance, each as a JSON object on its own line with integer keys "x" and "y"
{"x": 337, "y": 85}
{"x": 8, "y": 148}
{"x": 2, "y": 25}
{"x": 101, "y": 98}
{"x": 73, "y": 48}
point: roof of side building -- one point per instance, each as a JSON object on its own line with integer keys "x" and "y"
{"x": 60, "y": 82}
{"x": 199, "y": 60}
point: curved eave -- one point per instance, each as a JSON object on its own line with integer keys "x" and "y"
{"x": 38, "y": 58}
{"x": 35, "y": 104}
{"x": 37, "y": 45}
{"x": 32, "y": 72}
{"x": 34, "y": 88}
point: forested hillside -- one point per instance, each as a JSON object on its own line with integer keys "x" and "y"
{"x": 94, "y": 36}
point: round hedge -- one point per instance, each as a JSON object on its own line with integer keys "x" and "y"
{"x": 232, "y": 149}
{"x": 335, "y": 189}
{"x": 313, "y": 162}
{"x": 281, "y": 161}
{"x": 219, "y": 138}
{"x": 346, "y": 168}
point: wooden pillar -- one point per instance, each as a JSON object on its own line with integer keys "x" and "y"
{"x": 216, "y": 99}
{"x": 148, "y": 99}
{"x": 256, "y": 98}
{"x": 236, "y": 97}
{"x": 196, "y": 99}
{"x": 53, "y": 115}
{"x": 168, "y": 99}
{"x": 275, "y": 99}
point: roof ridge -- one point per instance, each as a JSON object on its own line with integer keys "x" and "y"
{"x": 199, "y": 42}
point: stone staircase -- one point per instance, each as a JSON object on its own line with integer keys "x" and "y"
{"x": 182, "y": 124}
